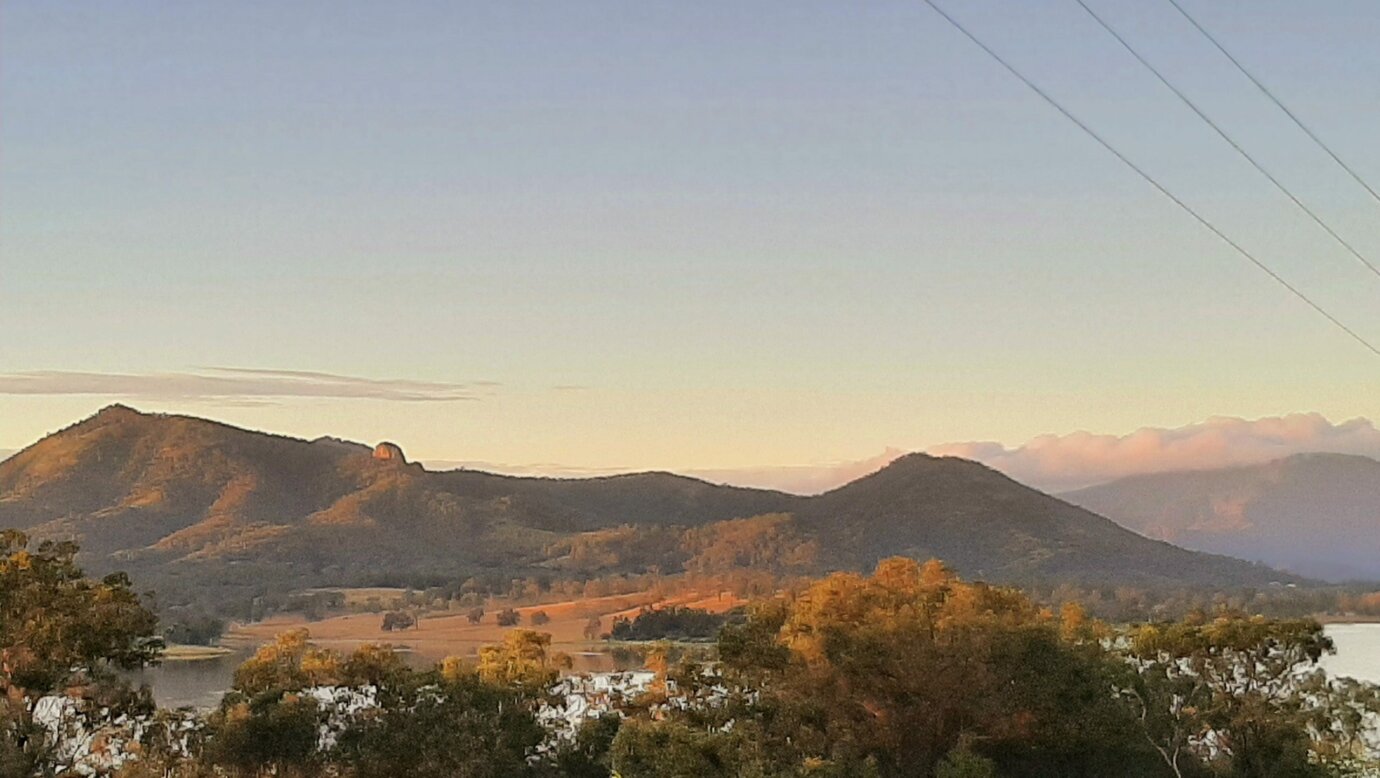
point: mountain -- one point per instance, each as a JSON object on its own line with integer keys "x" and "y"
{"x": 1314, "y": 514}
{"x": 992, "y": 527}
{"x": 185, "y": 503}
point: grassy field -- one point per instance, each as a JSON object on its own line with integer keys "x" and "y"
{"x": 450, "y": 633}
{"x": 181, "y": 653}
{"x": 361, "y": 596}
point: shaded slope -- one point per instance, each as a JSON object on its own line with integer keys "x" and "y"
{"x": 1317, "y": 514}
{"x": 989, "y": 526}
{"x": 146, "y": 490}
{"x": 185, "y": 501}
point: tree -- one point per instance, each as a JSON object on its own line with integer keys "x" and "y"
{"x": 62, "y": 631}
{"x": 588, "y": 754}
{"x": 671, "y": 749}
{"x": 289, "y": 664}
{"x": 962, "y": 762}
{"x": 676, "y": 622}
{"x": 373, "y": 665}
{"x": 769, "y": 543}
{"x": 1236, "y": 691}
{"x": 523, "y": 659}
{"x": 269, "y": 733}
{"x": 435, "y": 724}
{"x": 894, "y": 671}
{"x": 431, "y": 726}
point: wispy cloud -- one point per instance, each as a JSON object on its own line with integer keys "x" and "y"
{"x": 237, "y": 386}
{"x": 1062, "y": 462}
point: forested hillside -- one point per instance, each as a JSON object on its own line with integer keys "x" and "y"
{"x": 194, "y": 507}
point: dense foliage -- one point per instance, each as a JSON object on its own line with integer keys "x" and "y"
{"x": 676, "y": 622}
{"x": 383, "y": 718}
{"x": 62, "y": 632}
{"x": 913, "y": 672}
{"x": 909, "y": 671}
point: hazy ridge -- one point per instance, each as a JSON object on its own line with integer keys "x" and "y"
{"x": 1315, "y": 514}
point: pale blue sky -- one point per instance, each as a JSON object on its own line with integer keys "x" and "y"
{"x": 745, "y": 233}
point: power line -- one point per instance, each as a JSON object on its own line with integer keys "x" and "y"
{"x": 1151, "y": 179}
{"x": 1230, "y": 141}
{"x": 1266, "y": 91}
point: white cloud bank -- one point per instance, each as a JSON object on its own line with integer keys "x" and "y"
{"x": 236, "y": 385}
{"x": 1062, "y": 462}
{"x": 1055, "y": 463}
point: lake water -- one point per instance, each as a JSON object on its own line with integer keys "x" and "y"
{"x": 1358, "y": 651}
{"x": 200, "y": 683}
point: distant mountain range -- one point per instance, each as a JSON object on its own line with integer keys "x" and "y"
{"x": 1314, "y": 514}
{"x": 185, "y": 502}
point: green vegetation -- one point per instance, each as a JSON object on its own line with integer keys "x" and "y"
{"x": 673, "y": 623}
{"x": 913, "y": 672}
{"x": 908, "y": 671}
{"x": 398, "y": 620}
{"x": 61, "y": 632}
{"x": 453, "y": 720}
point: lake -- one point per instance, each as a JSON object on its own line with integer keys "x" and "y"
{"x": 200, "y": 683}
{"x": 1358, "y": 651}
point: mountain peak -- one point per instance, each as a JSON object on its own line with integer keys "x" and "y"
{"x": 390, "y": 452}
{"x": 119, "y": 411}
{"x": 919, "y": 465}
{"x": 115, "y": 414}
{"x": 919, "y": 459}
{"x": 177, "y": 498}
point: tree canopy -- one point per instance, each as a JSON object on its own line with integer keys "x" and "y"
{"x": 63, "y": 632}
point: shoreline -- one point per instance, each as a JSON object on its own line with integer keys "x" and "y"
{"x": 178, "y": 652}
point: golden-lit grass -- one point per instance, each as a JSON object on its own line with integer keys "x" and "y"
{"x": 181, "y": 653}
{"x": 449, "y": 633}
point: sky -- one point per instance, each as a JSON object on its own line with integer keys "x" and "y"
{"x": 703, "y": 237}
